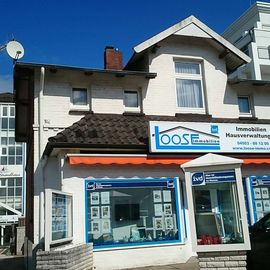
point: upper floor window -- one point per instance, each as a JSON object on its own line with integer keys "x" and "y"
{"x": 189, "y": 86}
{"x": 8, "y": 117}
{"x": 79, "y": 96}
{"x": 244, "y": 105}
{"x": 131, "y": 99}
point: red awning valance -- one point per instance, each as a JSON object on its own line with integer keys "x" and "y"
{"x": 141, "y": 160}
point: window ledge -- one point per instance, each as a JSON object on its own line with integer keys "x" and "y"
{"x": 247, "y": 117}
{"x": 128, "y": 113}
{"x": 79, "y": 111}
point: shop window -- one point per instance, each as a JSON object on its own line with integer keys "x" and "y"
{"x": 132, "y": 212}
{"x": 217, "y": 214}
{"x": 59, "y": 217}
{"x": 189, "y": 85}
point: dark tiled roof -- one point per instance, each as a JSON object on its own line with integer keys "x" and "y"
{"x": 123, "y": 131}
{"x": 6, "y": 97}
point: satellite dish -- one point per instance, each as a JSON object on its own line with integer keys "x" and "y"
{"x": 15, "y": 49}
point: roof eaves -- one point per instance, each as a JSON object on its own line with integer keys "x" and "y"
{"x": 89, "y": 71}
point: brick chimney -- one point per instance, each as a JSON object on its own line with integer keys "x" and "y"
{"x": 113, "y": 58}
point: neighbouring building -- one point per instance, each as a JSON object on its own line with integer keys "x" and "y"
{"x": 11, "y": 172}
{"x": 251, "y": 34}
{"x": 145, "y": 162}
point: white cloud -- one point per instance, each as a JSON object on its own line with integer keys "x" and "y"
{"x": 6, "y": 83}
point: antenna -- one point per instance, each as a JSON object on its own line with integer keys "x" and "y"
{"x": 14, "y": 49}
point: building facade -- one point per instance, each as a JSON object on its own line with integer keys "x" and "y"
{"x": 251, "y": 34}
{"x": 11, "y": 171}
{"x": 105, "y": 149}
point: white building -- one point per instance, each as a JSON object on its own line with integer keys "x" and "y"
{"x": 11, "y": 171}
{"x": 105, "y": 148}
{"x": 251, "y": 34}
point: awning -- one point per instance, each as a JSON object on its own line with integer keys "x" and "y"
{"x": 144, "y": 160}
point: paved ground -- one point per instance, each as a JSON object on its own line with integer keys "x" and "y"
{"x": 16, "y": 263}
{"x": 192, "y": 264}
{"x": 11, "y": 263}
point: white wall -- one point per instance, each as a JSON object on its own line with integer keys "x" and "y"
{"x": 73, "y": 182}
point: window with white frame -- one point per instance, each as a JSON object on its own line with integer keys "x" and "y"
{"x": 189, "y": 85}
{"x": 244, "y": 105}
{"x": 131, "y": 99}
{"x": 79, "y": 96}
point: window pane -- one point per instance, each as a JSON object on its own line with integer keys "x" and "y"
{"x": 243, "y": 104}
{"x": 4, "y": 150}
{"x": 11, "y": 140}
{"x": 4, "y": 123}
{"x": 19, "y": 150}
{"x": 12, "y": 111}
{"x": 11, "y": 160}
{"x": 18, "y": 181}
{"x": 79, "y": 96}
{"x": 11, "y": 182}
{"x": 187, "y": 68}
{"x": 11, "y": 150}
{"x": 217, "y": 214}
{"x": 5, "y": 111}
{"x": 123, "y": 215}
{"x": 2, "y": 191}
{"x": 11, "y": 123}
{"x": 189, "y": 93}
{"x": 4, "y": 160}
{"x": 18, "y": 192}
{"x": 4, "y": 140}
{"x": 131, "y": 99}
{"x": 10, "y": 191}
{"x": 18, "y": 160}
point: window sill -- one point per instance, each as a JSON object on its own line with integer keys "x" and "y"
{"x": 79, "y": 111}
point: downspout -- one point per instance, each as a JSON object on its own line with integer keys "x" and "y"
{"x": 43, "y": 162}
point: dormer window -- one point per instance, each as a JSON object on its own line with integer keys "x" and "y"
{"x": 189, "y": 85}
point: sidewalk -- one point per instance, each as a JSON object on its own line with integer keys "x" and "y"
{"x": 191, "y": 264}
{"x": 11, "y": 262}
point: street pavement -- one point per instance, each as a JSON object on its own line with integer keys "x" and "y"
{"x": 17, "y": 263}
{"x": 11, "y": 262}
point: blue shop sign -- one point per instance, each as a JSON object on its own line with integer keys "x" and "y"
{"x": 98, "y": 185}
{"x": 202, "y": 178}
{"x": 260, "y": 180}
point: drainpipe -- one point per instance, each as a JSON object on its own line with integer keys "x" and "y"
{"x": 43, "y": 162}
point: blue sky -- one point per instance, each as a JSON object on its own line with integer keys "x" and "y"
{"x": 75, "y": 32}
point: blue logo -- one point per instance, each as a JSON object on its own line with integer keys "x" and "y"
{"x": 214, "y": 129}
{"x": 198, "y": 179}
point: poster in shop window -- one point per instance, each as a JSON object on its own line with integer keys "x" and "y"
{"x": 158, "y": 223}
{"x": 265, "y": 193}
{"x": 106, "y": 226}
{"x": 266, "y": 205}
{"x": 259, "y": 205}
{"x": 157, "y": 196}
{"x": 95, "y": 212}
{"x": 105, "y": 197}
{"x": 167, "y": 209}
{"x": 95, "y": 225}
{"x": 257, "y": 193}
{"x": 158, "y": 209}
{"x": 169, "y": 223}
{"x": 95, "y": 198}
{"x": 167, "y": 196}
{"x": 105, "y": 211}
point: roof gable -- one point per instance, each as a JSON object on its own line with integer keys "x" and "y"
{"x": 192, "y": 30}
{"x": 193, "y": 27}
